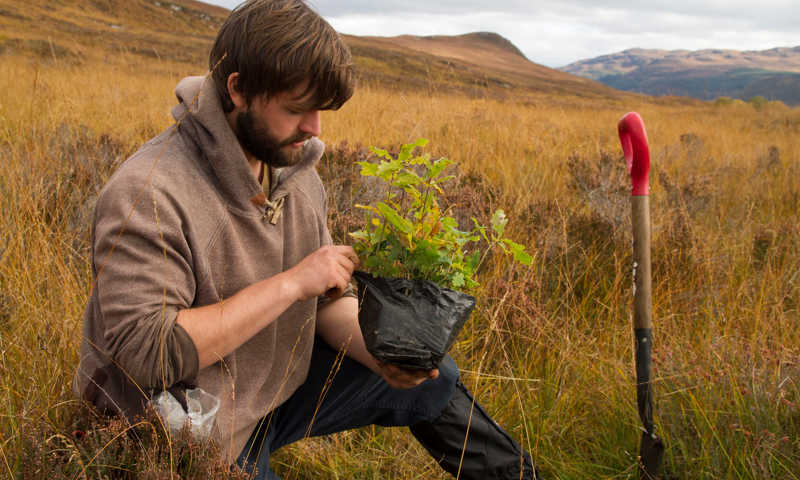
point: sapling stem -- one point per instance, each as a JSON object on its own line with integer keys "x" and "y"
{"x": 384, "y": 222}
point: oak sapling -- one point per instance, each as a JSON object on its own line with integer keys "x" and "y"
{"x": 425, "y": 266}
{"x": 407, "y": 235}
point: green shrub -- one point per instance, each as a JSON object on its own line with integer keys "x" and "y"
{"x": 407, "y": 234}
{"x": 758, "y": 102}
{"x": 723, "y": 101}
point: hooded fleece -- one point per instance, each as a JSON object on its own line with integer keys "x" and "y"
{"x": 184, "y": 223}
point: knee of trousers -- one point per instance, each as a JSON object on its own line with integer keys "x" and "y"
{"x": 448, "y": 372}
{"x": 437, "y": 393}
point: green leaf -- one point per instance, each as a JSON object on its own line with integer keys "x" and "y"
{"x": 416, "y": 197}
{"x": 381, "y": 153}
{"x": 499, "y": 222}
{"x": 387, "y": 169}
{"x": 394, "y": 218}
{"x": 472, "y": 260}
{"x": 420, "y": 142}
{"x": 437, "y": 168}
{"x": 374, "y": 262}
{"x": 422, "y": 160}
{"x": 367, "y": 207}
{"x": 520, "y": 255}
{"x": 405, "y": 179}
{"x": 426, "y": 254}
{"x": 405, "y": 153}
{"x": 523, "y": 257}
{"x": 359, "y": 235}
{"x": 407, "y": 149}
{"x": 368, "y": 169}
{"x": 446, "y": 178}
{"x": 445, "y": 258}
{"x": 480, "y": 229}
{"x": 449, "y": 223}
{"x": 457, "y": 280}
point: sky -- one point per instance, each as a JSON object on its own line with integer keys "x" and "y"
{"x": 555, "y": 33}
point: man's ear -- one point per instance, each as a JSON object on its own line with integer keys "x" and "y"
{"x": 237, "y": 97}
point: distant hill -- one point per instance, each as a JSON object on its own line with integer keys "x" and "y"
{"x": 85, "y": 31}
{"x": 474, "y": 61}
{"x": 704, "y": 74}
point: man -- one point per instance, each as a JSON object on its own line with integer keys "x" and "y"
{"x": 214, "y": 266}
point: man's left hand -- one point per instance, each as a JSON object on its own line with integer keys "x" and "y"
{"x": 404, "y": 378}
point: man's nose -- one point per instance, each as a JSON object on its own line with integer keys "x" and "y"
{"x": 311, "y": 123}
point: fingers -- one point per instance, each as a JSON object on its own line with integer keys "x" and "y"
{"x": 403, "y": 378}
{"x": 334, "y": 293}
{"x": 347, "y": 261}
{"x": 326, "y": 271}
{"x": 342, "y": 261}
{"x": 341, "y": 277}
{"x": 347, "y": 256}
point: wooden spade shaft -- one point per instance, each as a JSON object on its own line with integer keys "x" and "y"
{"x": 642, "y": 296}
{"x": 651, "y": 448}
{"x": 637, "y": 157}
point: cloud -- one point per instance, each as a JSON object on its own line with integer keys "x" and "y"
{"x": 765, "y": 14}
{"x": 555, "y": 33}
{"x": 391, "y": 7}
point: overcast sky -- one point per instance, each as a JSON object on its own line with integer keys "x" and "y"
{"x": 555, "y": 33}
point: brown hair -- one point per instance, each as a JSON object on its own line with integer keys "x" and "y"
{"x": 276, "y": 45}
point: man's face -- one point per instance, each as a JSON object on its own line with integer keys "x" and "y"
{"x": 274, "y": 130}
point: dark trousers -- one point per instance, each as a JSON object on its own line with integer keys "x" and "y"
{"x": 357, "y": 397}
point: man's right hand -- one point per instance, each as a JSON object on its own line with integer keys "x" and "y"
{"x": 327, "y": 271}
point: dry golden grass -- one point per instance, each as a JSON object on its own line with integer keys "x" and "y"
{"x": 549, "y": 349}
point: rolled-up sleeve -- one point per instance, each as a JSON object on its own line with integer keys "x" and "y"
{"x": 144, "y": 276}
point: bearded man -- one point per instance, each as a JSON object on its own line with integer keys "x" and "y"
{"x": 214, "y": 267}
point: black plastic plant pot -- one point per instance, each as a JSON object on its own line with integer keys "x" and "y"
{"x": 410, "y": 323}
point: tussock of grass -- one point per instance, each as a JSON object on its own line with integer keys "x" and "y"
{"x": 548, "y": 351}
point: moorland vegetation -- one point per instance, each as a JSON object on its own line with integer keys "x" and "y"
{"x": 549, "y": 348}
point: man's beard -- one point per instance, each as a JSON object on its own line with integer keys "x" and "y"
{"x": 260, "y": 142}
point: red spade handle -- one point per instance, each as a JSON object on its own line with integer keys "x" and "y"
{"x": 633, "y": 137}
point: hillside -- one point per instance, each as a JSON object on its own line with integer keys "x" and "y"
{"x": 703, "y": 74}
{"x": 77, "y": 32}
{"x": 182, "y": 31}
{"x": 467, "y": 62}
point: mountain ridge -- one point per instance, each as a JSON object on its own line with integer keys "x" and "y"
{"x": 705, "y": 74}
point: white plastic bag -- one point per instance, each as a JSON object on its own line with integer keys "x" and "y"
{"x": 201, "y": 415}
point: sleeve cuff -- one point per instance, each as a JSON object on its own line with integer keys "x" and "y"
{"x": 189, "y": 357}
{"x": 348, "y": 292}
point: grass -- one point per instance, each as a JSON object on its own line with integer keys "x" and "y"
{"x": 548, "y": 351}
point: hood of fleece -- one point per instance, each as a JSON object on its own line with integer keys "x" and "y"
{"x": 200, "y": 117}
